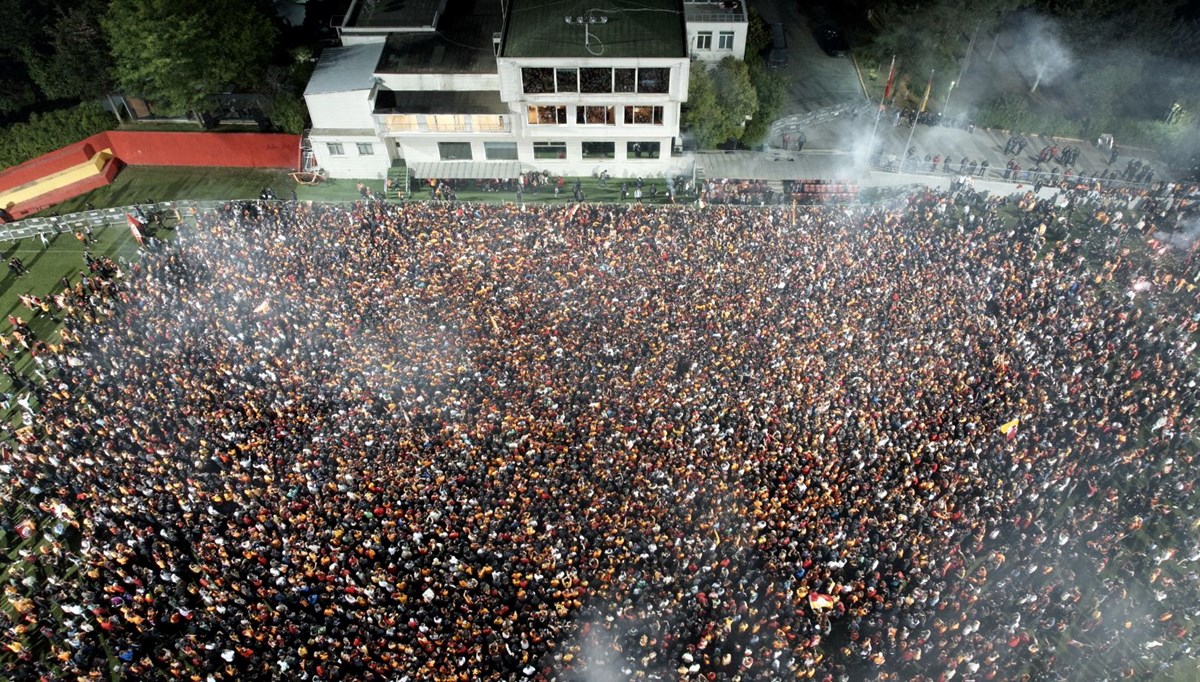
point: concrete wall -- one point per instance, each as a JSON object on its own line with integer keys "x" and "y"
{"x": 350, "y": 163}
{"x": 715, "y": 54}
{"x": 134, "y": 148}
{"x": 345, "y": 110}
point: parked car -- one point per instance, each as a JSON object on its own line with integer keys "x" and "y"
{"x": 777, "y": 58}
{"x": 832, "y": 41}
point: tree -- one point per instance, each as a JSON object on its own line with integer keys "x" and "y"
{"x": 758, "y": 34}
{"x": 933, "y": 36}
{"x": 720, "y": 102}
{"x": 177, "y": 52}
{"x": 16, "y": 41}
{"x": 771, "y": 92}
{"x": 78, "y": 64}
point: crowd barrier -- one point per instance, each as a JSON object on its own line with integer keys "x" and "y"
{"x": 175, "y": 212}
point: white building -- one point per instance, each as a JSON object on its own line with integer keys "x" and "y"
{"x": 716, "y": 30}
{"x": 460, "y": 88}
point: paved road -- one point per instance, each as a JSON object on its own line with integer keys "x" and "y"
{"x": 814, "y": 79}
{"x": 854, "y": 135}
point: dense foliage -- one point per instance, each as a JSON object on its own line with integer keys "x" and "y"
{"x": 46, "y": 132}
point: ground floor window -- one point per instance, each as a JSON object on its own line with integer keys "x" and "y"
{"x": 642, "y": 150}
{"x": 455, "y": 151}
{"x": 599, "y": 150}
{"x": 335, "y": 148}
{"x": 366, "y": 149}
{"x": 549, "y": 150}
{"x": 500, "y": 151}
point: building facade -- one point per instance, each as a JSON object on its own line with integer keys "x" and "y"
{"x": 471, "y": 88}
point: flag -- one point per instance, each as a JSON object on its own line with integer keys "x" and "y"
{"x": 821, "y": 602}
{"x": 925, "y": 99}
{"x": 1009, "y": 429}
{"x": 887, "y": 91}
{"x": 135, "y": 227}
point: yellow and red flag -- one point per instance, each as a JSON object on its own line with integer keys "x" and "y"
{"x": 928, "y": 88}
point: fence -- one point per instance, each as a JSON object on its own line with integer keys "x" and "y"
{"x": 796, "y": 122}
{"x": 98, "y": 218}
{"x": 892, "y": 164}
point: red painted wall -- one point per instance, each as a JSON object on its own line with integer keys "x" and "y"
{"x": 48, "y": 164}
{"x": 139, "y": 148}
{"x": 238, "y": 150}
{"x": 74, "y": 189}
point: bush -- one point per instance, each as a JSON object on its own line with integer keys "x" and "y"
{"x": 44, "y": 133}
{"x": 1009, "y": 111}
{"x": 288, "y": 113}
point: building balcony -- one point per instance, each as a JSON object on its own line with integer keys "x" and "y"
{"x": 730, "y": 12}
{"x": 441, "y": 112}
{"x": 397, "y": 124}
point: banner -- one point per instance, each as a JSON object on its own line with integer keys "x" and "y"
{"x": 925, "y": 99}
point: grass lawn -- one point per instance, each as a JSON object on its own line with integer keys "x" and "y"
{"x": 136, "y": 184}
{"x": 63, "y": 258}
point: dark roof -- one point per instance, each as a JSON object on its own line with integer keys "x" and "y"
{"x": 439, "y": 102}
{"x": 393, "y": 13}
{"x": 461, "y": 44}
{"x": 634, "y": 28}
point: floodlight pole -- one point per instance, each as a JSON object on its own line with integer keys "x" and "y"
{"x": 586, "y": 22}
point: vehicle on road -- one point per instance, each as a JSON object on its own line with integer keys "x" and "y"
{"x": 832, "y": 40}
{"x": 777, "y": 58}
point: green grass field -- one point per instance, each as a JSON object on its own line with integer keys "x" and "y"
{"x": 48, "y": 266}
{"x": 136, "y": 184}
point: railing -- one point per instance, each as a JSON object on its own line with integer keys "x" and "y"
{"x": 104, "y": 217}
{"x": 921, "y": 167}
{"x": 795, "y": 122}
{"x": 428, "y": 123}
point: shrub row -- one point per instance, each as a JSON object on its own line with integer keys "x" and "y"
{"x": 44, "y": 133}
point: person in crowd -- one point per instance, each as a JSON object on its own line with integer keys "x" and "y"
{"x": 461, "y": 442}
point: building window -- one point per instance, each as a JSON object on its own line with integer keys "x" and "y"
{"x": 401, "y": 122}
{"x": 596, "y": 115}
{"x": 725, "y": 40}
{"x": 500, "y": 151}
{"x": 446, "y": 123}
{"x": 537, "y": 81}
{"x": 335, "y": 149}
{"x": 455, "y": 151}
{"x": 704, "y": 40}
{"x": 549, "y": 150}
{"x": 599, "y": 150}
{"x": 644, "y": 116}
{"x": 542, "y": 116}
{"x": 642, "y": 150}
{"x": 624, "y": 80}
{"x": 654, "y": 81}
{"x": 568, "y": 80}
{"x": 486, "y": 123}
{"x": 366, "y": 149}
{"x": 595, "y": 81}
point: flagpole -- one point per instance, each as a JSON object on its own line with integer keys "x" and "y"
{"x": 879, "y": 112}
{"x": 908, "y": 145}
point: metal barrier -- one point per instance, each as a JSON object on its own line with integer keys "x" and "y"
{"x": 920, "y": 167}
{"x": 98, "y": 218}
{"x": 795, "y": 122}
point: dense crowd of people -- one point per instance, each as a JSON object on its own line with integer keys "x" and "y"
{"x": 457, "y": 442}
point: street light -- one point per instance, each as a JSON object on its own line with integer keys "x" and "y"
{"x": 586, "y": 22}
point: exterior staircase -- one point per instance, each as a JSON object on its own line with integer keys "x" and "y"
{"x": 397, "y": 181}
